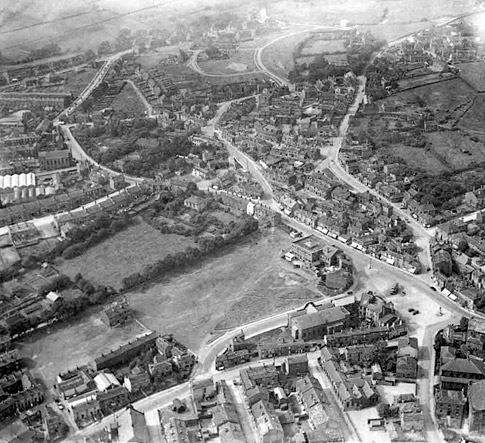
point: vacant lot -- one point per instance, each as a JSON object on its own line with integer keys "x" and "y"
{"x": 125, "y": 253}
{"x": 61, "y": 348}
{"x": 241, "y": 61}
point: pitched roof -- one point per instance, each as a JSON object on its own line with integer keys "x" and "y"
{"x": 464, "y": 365}
{"x": 325, "y": 317}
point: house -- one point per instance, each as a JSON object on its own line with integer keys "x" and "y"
{"x": 476, "y": 398}
{"x": 161, "y": 367}
{"x": 268, "y": 425}
{"x": 117, "y": 313}
{"x": 195, "y": 202}
{"x": 130, "y": 426}
{"x": 296, "y": 364}
{"x": 450, "y": 405}
{"x": 136, "y": 380}
{"x": 312, "y": 251}
{"x": 318, "y": 324}
{"x": 310, "y": 393}
{"x": 459, "y": 373}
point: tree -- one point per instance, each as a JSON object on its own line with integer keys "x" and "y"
{"x": 383, "y": 409}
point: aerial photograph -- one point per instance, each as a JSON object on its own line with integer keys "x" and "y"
{"x": 229, "y": 221}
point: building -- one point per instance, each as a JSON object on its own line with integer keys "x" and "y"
{"x": 125, "y": 353}
{"x": 130, "y": 426}
{"x": 310, "y": 393}
{"x": 117, "y": 313}
{"x": 318, "y": 324}
{"x": 296, "y": 364}
{"x": 312, "y": 251}
{"x": 459, "y": 373}
{"x": 267, "y": 423}
{"x": 194, "y": 202}
{"x": 28, "y": 99}
{"x": 50, "y": 160}
{"x": 476, "y": 398}
{"x": 450, "y": 405}
{"x": 407, "y": 358}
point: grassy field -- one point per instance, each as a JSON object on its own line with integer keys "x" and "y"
{"x": 322, "y": 46}
{"x": 243, "y": 283}
{"x": 243, "y": 57}
{"x": 474, "y": 74}
{"x": 473, "y": 119}
{"x": 449, "y": 98}
{"x": 123, "y": 254}
{"x": 86, "y": 338}
{"x": 450, "y": 147}
{"x": 418, "y": 158}
{"x": 278, "y": 57}
{"x": 247, "y": 282}
{"x": 128, "y": 102}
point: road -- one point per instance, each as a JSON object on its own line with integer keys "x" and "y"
{"x": 93, "y": 84}
{"x": 259, "y": 51}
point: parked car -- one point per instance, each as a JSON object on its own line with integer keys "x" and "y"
{"x": 416, "y": 312}
{"x": 433, "y": 288}
{"x": 411, "y": 310}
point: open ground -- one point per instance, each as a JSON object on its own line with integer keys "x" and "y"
{"x": 128, "y": 102}
{"x": 241, "y": 61}
{"x": 125, "y": 253}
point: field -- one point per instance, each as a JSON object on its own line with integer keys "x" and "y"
{"x": 87, "y": 337}
{"x": 241, "y": 61}
{"x": 473, "y": 119}
{"x": 125, "y": 253}
{"x": 322, "y": 46}
{"x": 278, "y": 57}
{"x": 417, "y": 158}
{"x": 456, "y": 149}
{"x": 446, "y": 99}
{"x": 474, "y": 74}
{"x": 128, "y": 102}
{"x": 247, "y": 282}
{"x": 76, "y": 82}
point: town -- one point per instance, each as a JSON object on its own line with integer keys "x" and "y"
{"x": 243, "y": 223}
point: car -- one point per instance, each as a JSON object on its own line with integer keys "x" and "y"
{"x": 411, "y": 310}
{"x": 61, "y": 407}
{"x": 433, "y": 288}
{"x": 349, "y": 292}
{"x": 295, "y": 234}
{"x": 416, "y": 312}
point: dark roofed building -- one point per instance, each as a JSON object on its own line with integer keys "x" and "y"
{"x": 318, "y": 324}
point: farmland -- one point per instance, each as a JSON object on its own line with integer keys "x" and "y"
{"x": 127, "y": 252}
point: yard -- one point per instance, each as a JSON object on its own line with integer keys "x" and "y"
{"x": 125, "y": 253}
